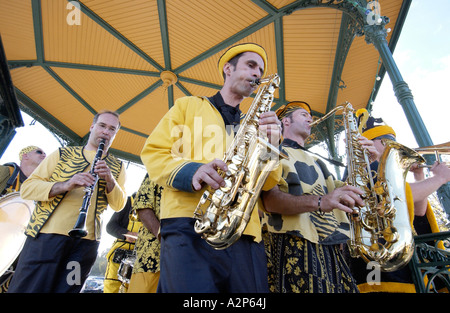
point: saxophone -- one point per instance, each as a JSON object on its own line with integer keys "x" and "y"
{"x": 380, "y": 231}
{"x": 223, "y": 214}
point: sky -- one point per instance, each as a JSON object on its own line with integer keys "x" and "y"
{"x": 422, "y": 56}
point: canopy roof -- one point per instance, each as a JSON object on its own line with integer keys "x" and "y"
{"x": 138, "y": 56}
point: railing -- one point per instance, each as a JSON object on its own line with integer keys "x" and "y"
{"x": 430, "y": 265}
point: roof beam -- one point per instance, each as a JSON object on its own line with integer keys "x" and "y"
{"x": 279, "y": 46}
{"x": 162, "y": 13}
{"x": 346, "y": 35}
{"x": 226, "y": 43}
{"x": 79, "y": 66}
{"x": 139, "y": 97}
{"x": 37, "y": 25}
{"x": 49, "y": 121}
{"x": 70, "y": 90}
{"x": 345, "y": 40}
{"x": 92, "y": 15}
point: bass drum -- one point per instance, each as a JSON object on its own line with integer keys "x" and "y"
{"x": 15, "y": 214}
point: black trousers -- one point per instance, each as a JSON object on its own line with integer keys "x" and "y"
{"x": 189, "y": 264}
{"x": 53, "y": 263}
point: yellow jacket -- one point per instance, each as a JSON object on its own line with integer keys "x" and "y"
{"x": 191, "y": 134}
{"x": 57, "y": 215}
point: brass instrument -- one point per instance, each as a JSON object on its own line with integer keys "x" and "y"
{"x": 126, "y": 270}
{"x": 15, "y": 214}
{"x": 223, "y": 214}
{"x": 79, "y": 230}
{"x": 437, "y": 150}
{"x": 381, "y": 230}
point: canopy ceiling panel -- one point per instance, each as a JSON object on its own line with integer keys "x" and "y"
{"x": 310, "y": 41}
{"x": 144, "y": 123}
{"x": 104, "y": 90}
{"x": 139, "y": 56}
{"x": 203, "y": 24}
{"x": 37, "y": 84}
{"x": 264, "y": 37}
{"x": 87, "y": 43}
{"x": 138, "y": 21}
{"x": 129, "y": 142}
{"x": 20, "y": 40}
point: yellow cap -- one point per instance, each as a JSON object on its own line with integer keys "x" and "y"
{"x": 291, "y": 107}
{"x": 369, "y": 129}
{"x": 241, "y": 48}
{"x": 378, "y": 131}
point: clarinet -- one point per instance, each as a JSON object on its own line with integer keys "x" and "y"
{"x": 79, "y": 230}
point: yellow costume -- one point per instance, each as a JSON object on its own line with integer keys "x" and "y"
{"x": 146, "y": 269}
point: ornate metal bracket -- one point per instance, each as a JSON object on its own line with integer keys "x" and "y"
{"x": 430, "y": 265}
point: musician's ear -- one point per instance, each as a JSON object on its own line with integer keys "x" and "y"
{"x": 227, "y": 69}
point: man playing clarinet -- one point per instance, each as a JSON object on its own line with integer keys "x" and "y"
{"x": 51, "y": 260}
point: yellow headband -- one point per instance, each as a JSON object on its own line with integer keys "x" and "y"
{"x": 26, "y": 150}
{"x": 291, "y": 107}
{"x": 378, "y": 131}
{"x": 241, "y": 48}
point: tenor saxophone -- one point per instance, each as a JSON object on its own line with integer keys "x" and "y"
{"x": 223, "y": 214}
{"x": 380, "y": 231}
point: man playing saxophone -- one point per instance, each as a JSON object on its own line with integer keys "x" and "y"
{"x": 424, "y": 220}
{"x": 305, "y": 215}
{"x": 51, "y": 261}
{"x": 183, "y": 155}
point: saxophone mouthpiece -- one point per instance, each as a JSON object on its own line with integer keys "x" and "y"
{"x": 255, "y": 82}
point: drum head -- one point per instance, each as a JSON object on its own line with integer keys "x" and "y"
{"x": 15, "y": 213}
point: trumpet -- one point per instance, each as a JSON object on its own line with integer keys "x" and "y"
{"x": 437, "y": 150}
{"x": 79, "y": 230}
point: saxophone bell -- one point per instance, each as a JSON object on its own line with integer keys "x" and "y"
{"x": 380, "y": 231}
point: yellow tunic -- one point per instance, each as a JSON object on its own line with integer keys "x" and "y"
{"x": 64, "y": 216}
{"x": 191, "y": 134}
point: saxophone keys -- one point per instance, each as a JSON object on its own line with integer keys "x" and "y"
{"x": 227, "y": 186}
{"x": 390, "y": 234}
{"x": 232, "y": 170}
{"x": 216, "y": 198}
{"x": 377, "y": 252}
{"x": 202, "y": 226}
{"x": 237, "y": 159}
{"x": 204, "y": 197}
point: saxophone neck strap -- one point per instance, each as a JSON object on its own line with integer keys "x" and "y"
{"x": 334, "y": 162}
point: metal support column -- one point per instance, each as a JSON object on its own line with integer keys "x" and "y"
{"x": 376, "y": 34}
